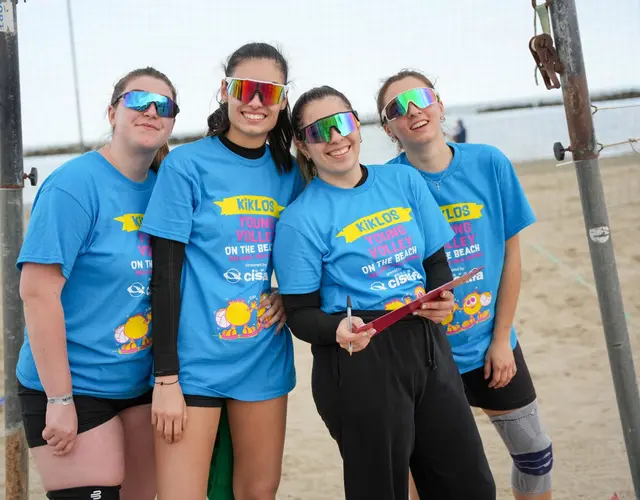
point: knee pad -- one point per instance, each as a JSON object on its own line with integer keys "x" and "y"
{"x": 86, "y": 493}
{"x": 530, "y": 448}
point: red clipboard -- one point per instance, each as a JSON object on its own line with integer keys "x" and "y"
{"x": 392, "y": 317}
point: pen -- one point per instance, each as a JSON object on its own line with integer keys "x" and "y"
{"x": 349, "y": 322}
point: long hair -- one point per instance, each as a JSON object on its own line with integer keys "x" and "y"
{"x": 281, "y": 136}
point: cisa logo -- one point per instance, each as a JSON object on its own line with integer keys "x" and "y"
{"x": 96, "y": 495}
{"x": 234, "y": 276}
{"x": 138, "y": 290}
{"x": 378, "y": 286}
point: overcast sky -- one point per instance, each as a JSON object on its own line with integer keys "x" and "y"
{"x": 476, "y": 49}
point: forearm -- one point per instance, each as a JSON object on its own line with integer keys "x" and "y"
{"x": 508, "y": 291}
{"x": 168, "y": 258}
{"x": 44, "y": 318}
{"x": 437, "y": 270}
{"x": 308, "y": 322}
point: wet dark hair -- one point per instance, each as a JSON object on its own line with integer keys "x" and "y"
{"x": 281, "y": 136}
{"x": 307, "y": 166}
{"x": 405, "y": 73}
{"x": 119, "y": 87}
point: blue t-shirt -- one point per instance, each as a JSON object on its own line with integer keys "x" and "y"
{"x": 224, "y": 208}
{"x": 86, "y": 217}
{"x": 367, "y": 242}
{"x": 483, "y": 200}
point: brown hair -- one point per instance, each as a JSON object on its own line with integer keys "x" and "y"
{"x": 281, "y": 136}
{"x": 307, "y": 166}
{"x": 119, "y": 87}
{"x": 405, "y": 73}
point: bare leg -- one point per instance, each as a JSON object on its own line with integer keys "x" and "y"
{"x": 257, "y": 432}
{"x": 182, "y": 468}
{"x": 140, "y": 474}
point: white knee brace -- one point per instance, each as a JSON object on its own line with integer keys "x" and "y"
{"x": 530, "y": 448}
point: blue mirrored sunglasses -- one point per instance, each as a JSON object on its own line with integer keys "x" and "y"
{"x": 140, "y": 100}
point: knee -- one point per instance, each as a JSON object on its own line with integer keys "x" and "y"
{"x": 530, "y": 448}
{"x": 256, "y": 489}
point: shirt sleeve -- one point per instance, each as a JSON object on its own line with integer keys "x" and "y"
{"x": 437, "y": 270}
{"x": 308, "y": 322}
{"x": 58, "y": 228}
{"x": 170, "y": 210}
{"x": 435, "y": 227}
{"x": 168, "y": 258}
{"x": 297, "y": 262}
{"x": 516, "y": 210}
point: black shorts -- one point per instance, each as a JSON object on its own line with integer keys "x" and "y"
{"x": 91, "y": 411}
{"x": 203, "y": 401}
{"x": 517, "y": 393}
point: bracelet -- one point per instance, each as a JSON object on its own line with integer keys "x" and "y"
{"x": 166, "y": 383}
{"x": 65, "y": 400}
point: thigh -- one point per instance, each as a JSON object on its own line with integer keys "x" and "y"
{"x": 140, "y": 474}
{"x": 448, "y": 460}
{"x": 182, "y": 468}
{"x": 257, "y": 433}
{"x": 519, "y": 392}
{"x": 97, "y": 459}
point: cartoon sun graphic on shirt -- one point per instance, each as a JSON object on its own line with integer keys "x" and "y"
{"x": 237, "y": 314}
{"x": 394, "y": 304}
{"x": 471, "y": 306}
{"x": 133, "y": 334}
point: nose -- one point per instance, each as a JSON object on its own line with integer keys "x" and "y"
{"x": 335, "y": 136}
{"x": 255, "y": 101}
{"x": 413, "y": 109}
{"x": 151, "y": 111}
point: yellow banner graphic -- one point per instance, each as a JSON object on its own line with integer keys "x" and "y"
{"x": 130, "y": 222}
{"x": 253, "y": 205}
{"x": 462, "y": 211}
{"x": 375, "y": 222}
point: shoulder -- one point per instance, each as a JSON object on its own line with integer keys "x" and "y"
{"x": 483, "y": 155}
{"x": 81, "y": 177}
{"x": 185, "y": 157}
{"x": 400, "y": 158}
{"x": 401, "y": 174}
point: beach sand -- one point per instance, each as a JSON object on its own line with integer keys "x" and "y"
{"x": 558, "y": 323}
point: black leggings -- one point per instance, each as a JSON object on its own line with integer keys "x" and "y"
{"x": 397, "y": 405}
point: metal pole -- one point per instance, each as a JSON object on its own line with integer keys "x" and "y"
{"x": 11, "y": 186}
{"x": 75, "y": 75}
{"x": 577, "y": 103}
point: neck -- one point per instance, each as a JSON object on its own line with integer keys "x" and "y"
{"x": 347, "y": 180}
{"x": 132, "y": 164}
{"x": 244, "y": 140}
{"x": 431, "y": 157}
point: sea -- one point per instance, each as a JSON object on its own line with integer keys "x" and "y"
{"x": 522, "y": 134}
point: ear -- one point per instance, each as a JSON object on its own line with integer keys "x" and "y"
{"x": 302, "y": 147}
{"x": 111, "y": 114}
{"x": 284, "y": 103}
{"x": 441, "y": 108}
{"x": 387, "y": 129}
{"x": 224, "y": 93}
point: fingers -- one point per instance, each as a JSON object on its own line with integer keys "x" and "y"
{"x": 66, "y": 450}
{"x": 487, "y": 368}
{"x": 168, "y": 431}
{"x": 437, "y": 316}
{"x": 275, "y": 315}
{"x": 281, "y": 324}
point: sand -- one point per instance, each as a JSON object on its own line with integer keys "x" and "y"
{"x": 558, "y": 323}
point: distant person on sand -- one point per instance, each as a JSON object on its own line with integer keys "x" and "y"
{"x": 460, "y": 134}
{"x": 479, "y": 193}
{"x": 220, "y": 337}
{"x": 395, "y": 401}
{"x": 85, "y": 365}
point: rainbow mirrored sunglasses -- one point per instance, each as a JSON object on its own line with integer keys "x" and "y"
{"x": 140, "y": 100}
{"x": 320, "y": 130}
{"x": 422, "y": 97}
{"x": 244, "y": 89}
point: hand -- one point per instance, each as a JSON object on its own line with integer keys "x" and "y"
{"x": 358, "y": 340}
{"x": 437, "y": 310}
{"x": 168, "y": 410}
{"x": 275, "y": 311}
{"x": 61, "y": 428}
{"x": 500, "y": 361}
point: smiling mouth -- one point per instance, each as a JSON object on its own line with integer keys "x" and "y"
{"x": 420, "y": 124}
{"x": 147, "y": 126}
{"x": 338, "y": 153}
{"x": 254, "y": 117}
